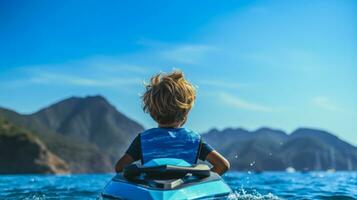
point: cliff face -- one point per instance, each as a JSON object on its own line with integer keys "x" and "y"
{"x": 22, "y": 152}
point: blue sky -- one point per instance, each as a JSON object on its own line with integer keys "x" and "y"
{"x": 281, "y": 64}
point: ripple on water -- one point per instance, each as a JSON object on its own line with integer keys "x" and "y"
{"x": 335, "y": 197}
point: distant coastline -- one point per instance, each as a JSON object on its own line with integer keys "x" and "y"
{"x": 88, "y": 134}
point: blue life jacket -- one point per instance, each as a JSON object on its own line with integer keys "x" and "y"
{"x": 179, "y": 143}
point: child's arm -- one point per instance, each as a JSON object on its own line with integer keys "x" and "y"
{"x": 131, "y": 155}
{"x": 122, "y": 162}
{"x": 220, "y": 164}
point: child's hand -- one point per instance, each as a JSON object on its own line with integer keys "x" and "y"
{"x": 123, "y": 162}
{"x": 220, "y": 164}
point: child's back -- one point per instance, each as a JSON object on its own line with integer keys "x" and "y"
{"x": 177, "y": 143}
{"x": 168, "y": 99}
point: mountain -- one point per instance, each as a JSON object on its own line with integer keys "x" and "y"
{"x": 89, "y": 133}
{"x": 23, "y": 152}
{"x": 93, "y": 120}
{"x": 269, "y": 149}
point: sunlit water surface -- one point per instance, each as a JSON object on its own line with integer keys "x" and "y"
{"x": 247, "y": 186}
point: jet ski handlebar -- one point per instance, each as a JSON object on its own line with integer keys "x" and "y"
{"x": 166, "y": 171}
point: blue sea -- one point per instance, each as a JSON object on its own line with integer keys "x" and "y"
{"x": 247, "y": 186}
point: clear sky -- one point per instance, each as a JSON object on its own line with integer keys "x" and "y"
{"x": 281, "y": 64}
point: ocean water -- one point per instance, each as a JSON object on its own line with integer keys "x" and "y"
{"x": 246, "y": 186}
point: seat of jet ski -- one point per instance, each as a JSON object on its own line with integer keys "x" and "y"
{"x": 166, "y": 176}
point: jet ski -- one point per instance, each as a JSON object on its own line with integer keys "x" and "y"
{"x": 166, "y": 178}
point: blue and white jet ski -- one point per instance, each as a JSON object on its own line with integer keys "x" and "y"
{"x": 166, "y": 178}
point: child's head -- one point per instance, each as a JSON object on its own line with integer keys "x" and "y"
{"x": 169, "y": 98}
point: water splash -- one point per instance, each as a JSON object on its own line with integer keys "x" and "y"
{"x": 36, "y": 196}
{"x": 243, "y": 195}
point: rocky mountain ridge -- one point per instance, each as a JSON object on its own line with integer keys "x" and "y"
{"x": 89, "y": 134}
{"x": 269, "y": 149}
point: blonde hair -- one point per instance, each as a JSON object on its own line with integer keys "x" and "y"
{"x": 169, "y": 98}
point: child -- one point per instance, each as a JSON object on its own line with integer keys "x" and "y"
{"x": 169, "y": 98}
